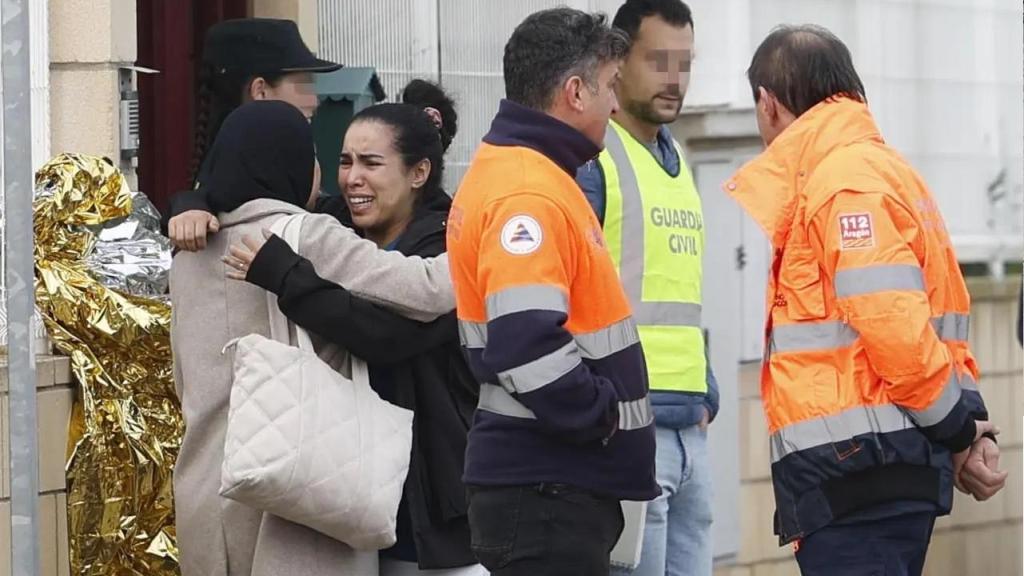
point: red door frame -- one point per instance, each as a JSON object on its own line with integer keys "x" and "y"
{"x": 170, "y": 40}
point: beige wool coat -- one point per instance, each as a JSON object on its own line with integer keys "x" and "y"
{"x": 217, "y": 536}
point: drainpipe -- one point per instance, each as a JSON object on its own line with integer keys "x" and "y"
{"x": 15, "y": 68}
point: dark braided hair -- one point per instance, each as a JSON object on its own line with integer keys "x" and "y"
{"x": 218, "y": 95}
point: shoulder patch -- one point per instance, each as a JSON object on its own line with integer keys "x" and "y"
{"x": 856, "y": 231}
{"x": 522, "y": 234}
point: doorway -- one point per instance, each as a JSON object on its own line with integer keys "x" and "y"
{"x": 170, "y": 40}
{"x": 717, "y": 143}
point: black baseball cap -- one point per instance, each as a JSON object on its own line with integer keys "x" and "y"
{"x": 253, "y": 46}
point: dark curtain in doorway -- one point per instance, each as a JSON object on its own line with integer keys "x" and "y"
{"x": 170, "y": 36}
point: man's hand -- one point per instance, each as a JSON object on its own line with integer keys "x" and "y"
{"x": 240, "y": 256}
{"x": 981, "y": 476}
{"x": 705, "y": 419}
{"x": 960, "y": 458}
{"x": 188, "y": 230}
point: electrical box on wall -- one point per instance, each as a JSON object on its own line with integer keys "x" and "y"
{"x": 129, "y": 123}
{"x": 129, "y": 113}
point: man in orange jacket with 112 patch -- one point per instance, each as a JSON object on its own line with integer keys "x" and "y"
{"x": 869, "y": 386}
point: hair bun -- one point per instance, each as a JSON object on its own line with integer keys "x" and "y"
{"x": 437, "y": 104}
{"x": 435, "y": 116}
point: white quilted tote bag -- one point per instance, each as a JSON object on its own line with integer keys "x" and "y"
{"x": 308, "y": 444}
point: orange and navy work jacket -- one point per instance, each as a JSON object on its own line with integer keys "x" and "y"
{"x": 544, "y": 321}
{"x": 868, "y": 383}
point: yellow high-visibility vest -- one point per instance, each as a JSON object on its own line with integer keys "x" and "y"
{"x": 655, "y": 233}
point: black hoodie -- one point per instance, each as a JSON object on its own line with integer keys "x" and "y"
{"x": 415, "y": 365}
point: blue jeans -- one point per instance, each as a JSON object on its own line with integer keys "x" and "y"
{"x": 677, "y": 537}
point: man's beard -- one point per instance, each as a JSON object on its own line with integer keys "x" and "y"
{"x": 644, "y": 110}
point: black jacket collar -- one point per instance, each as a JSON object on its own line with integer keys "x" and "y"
{"x": 425, "y": 235}
{"x": 517, "y": 125}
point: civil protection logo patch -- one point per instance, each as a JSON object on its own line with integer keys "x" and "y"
{"x": 521, "y": 235}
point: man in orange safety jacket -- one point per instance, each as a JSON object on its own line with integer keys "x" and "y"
{"x": 564, "y": 428}
{"x": 868, "y": 383}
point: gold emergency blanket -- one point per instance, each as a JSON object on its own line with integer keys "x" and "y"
{"x": 126, "y": 424}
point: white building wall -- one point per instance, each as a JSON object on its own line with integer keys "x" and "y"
{"x": 398, "y": 37}
{"x": 460, "y": 42}
{"x": 943, "y": 79}
{"x": 472, "y": 40}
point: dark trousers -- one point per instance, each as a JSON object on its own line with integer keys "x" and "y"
{"x": 548, "y": 529}
{"x": 886, "y": 547}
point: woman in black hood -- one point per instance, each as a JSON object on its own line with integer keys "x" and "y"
{"x": 264, "y": 151}
{"x": 261, "y": 168}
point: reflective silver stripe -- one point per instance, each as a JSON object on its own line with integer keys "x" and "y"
{"x": 528, "y": 297}
{"x": 812, "y": 336}
{"x": 942, "y": 405}
{"x": 593, "y": 345}
{"x": 542, "y": 371}
{"x": 835, "y": 334}
{"x": 632, "y": 256}
{"x": 836, "y": 428}
{"x": 967, "y": 382}
{"x": 608, "y": 341}
{"x": 952, "y": 326}
{"x": 668, "y": 314}
{"x": 473, "y": 334}
{"x": 872, "y": 279}
{"x": 635, "y": 414}
{"x": 497, "y": 400}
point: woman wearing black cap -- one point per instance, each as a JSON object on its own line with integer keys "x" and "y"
{"x": 243, "y": 60}
{"x": 260, "y": 168}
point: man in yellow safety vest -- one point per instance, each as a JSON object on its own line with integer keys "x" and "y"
{"x": 644, "y": 196}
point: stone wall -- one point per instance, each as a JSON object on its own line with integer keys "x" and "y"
{"x": 54, "y": 395}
